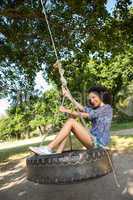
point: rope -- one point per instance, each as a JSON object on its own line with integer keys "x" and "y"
{"x": 64, "y": 84}
{"x": 113, "y": 170}
{"x": 49, "y": 29}
{"x": 59, "y": 65}
{"x": 61, "y": 70}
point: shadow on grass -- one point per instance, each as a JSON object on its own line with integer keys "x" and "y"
{"x": 14, "y": 185}
{"x": 6, "y": 153}
{"x": 122, "y": 143}
{"x": 118, "y": 143}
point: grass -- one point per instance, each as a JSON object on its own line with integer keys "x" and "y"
{"x": 122, "y": 143}
{"x": 116, "y": 126}
{"x": 5, "y": 154}
{"x": 20, "y": 151}
{"x": 118, "y": 143}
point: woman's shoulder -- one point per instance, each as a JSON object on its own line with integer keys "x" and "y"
{"x": 107, "y": 106}
{"x": 107, "y": 109}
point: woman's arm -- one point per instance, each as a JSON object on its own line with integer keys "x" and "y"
{"x": 74, "y": 113}
{"x": 69, "y": 96}
{"x": 80, "y": 107}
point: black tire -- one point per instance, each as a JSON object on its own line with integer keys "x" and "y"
{"x": 69, "y": 167}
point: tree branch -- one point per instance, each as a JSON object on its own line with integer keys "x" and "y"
{"x": 13, "y": 13}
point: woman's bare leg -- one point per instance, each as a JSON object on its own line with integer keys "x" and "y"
{"x": 61, "y": 146}
{"x": 80, "y": 132}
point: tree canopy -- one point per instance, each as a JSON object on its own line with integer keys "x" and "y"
{"x": 80, "y": 31}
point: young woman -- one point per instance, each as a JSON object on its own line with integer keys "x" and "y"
{"x": 98, "y": 111}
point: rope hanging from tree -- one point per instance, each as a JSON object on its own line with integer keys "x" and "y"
{"x": 59, "y": 66}
{"x": 64, "y": 85}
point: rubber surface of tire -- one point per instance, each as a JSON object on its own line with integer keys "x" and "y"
{"x": 69, "y": 166}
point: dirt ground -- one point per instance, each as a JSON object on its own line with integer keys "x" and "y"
{"x": 14, "y": 186}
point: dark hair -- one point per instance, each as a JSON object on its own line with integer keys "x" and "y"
{"x": 103, "y": 93}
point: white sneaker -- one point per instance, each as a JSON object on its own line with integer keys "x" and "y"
{"x": 41, "y": 150}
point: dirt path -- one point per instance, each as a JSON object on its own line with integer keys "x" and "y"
{"x": 14, "y": 186}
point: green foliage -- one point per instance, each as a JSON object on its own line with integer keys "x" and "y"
{"x": 45, "y": 109}
{"x": 40, "y": 112}
{"x": 80, "y": 31}
{"x": 5, "y": 128}
{"x": 115, "y": 73}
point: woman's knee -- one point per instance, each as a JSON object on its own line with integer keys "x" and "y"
{"x": 71, "y": 120}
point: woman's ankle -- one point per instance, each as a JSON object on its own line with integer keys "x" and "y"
{"x": 59, "y": 151}
{"x": 49, "y": 147}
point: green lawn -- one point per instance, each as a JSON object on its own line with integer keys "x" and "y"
{"x": 117, "y": 143}
{"x": 123, "y": 125}
{"x": 7, "y": 153}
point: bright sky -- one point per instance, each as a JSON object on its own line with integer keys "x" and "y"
{"x": 3, "y": 106}
{"x": 41, "y": 84}
{"x": 110, "y": 5}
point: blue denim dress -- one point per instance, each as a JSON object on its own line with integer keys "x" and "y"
{"x": 101, "y": 119}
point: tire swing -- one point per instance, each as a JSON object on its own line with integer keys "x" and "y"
{"x": 69, "y": 166}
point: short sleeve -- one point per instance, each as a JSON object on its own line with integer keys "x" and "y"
{"x": 92, "y": 113}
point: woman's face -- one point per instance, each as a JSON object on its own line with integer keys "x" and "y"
{"x": 94, "y": 100}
